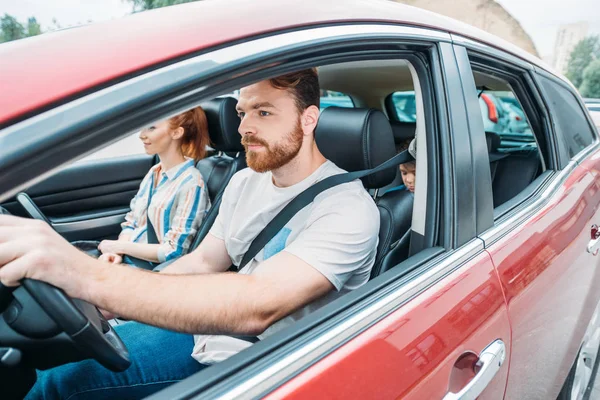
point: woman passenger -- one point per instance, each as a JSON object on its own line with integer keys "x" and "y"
{"x": 172, "y": 201}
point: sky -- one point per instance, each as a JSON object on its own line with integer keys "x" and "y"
{"x": 540, "y": 18}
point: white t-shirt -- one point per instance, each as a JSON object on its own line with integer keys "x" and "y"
{"x": 336, "y": 234}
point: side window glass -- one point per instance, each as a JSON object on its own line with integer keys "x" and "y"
{"x": 514, "y": 157}
{"x": 332, "y": 98}
{"x": 404, "y": 106}
{"x": 131, "y": 145}
{"x": 503, "y": 115}
{"x": 570, "y": 121}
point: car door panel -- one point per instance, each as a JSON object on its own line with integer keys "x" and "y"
{"x": 552, "y": 286}
{"x": 89, "y": 200}
{"x": 411, "y": 353}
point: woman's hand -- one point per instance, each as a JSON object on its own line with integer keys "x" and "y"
{"x": 111, "y": 258}
{"x": 112, "y": 246}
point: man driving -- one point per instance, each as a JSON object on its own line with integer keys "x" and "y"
{"x": 326, "y": 250}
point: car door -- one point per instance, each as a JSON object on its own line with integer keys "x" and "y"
{"x": 539, "y": 241}
{"x": 89, "y": 199}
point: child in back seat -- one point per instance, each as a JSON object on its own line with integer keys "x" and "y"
{"x": 408, "y": 170}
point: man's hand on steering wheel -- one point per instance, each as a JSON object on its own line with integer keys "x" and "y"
{"x": 32, "y": 249}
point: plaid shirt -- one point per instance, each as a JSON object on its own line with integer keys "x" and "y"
{"x": 177, "y": 207}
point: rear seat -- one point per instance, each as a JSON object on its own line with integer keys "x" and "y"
{"x": 511, "y": 172}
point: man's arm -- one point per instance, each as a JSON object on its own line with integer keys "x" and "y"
{"x": 225, "y": 303}
{"x": 210, "y": 257}
{"x": 206, "y": 303}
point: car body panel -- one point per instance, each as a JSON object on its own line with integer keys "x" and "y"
{"x": 552, "y": 286}
{"x": 411, "y": 353}
{"x": 78, "y": 59}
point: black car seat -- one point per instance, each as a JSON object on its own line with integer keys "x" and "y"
{"x": 217, "y": 170}
{"x": 512, "y": 170}
{"x": 356, "y": 139}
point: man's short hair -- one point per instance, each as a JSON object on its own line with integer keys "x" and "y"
{"x": 303, "y": 85}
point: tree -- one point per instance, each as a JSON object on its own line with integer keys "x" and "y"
{"x": 591, "y": 80}
{"x": 586, "y": 51}
{"x": 33, "y": 27}
{"x": 142, "y": 5}
{"x": 11, "y": 29}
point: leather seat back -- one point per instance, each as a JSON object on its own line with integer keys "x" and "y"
{"x": 217, "y": 170}
{"x": 511, "y": 171}
{"x": 356, "y": 139}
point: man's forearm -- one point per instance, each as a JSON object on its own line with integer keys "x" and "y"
{"x": 185, "y": 303}
{"x": 189, "y": 264}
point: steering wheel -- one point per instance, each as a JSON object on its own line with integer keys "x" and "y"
{"x": 81, "y": 321}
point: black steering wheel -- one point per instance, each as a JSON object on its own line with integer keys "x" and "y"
{"x": 82, "y": 322}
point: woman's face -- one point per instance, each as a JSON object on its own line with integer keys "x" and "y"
{"x": 408, "y": 176}
{"x": 159, "y": 138}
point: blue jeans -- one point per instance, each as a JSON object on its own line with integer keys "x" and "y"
{"x": 159, "y": 358}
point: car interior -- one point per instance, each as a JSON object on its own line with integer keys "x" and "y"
{"x": 87, "y": 200}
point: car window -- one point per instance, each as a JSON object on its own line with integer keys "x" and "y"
{"x": 332, "y": 98}
{"x": 404, "y": 106}
{"x": 131, "y": 145}
{"x": 503, "y": 115}
{"x": 515, "y": 159}
{"x": 570, "y": 121}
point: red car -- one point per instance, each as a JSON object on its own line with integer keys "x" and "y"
{"x": 488, "y": 286}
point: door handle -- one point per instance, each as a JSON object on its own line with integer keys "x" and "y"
{"x": 489, "y": 363}
{"x": 594, "y": 244}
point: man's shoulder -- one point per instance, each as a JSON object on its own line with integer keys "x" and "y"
{"x": 351, "y": 197}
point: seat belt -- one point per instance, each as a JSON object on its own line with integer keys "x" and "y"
{"x": 150, "y": 235}
{"x": 307, "y": 197}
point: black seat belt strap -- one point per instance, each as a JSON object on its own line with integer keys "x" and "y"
{"x": 307, "y": 197}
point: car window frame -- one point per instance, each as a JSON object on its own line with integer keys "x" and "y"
{"x": 426, "y": 268}
{"x": 529, "y": 202}
{"x": 520, "y": 75}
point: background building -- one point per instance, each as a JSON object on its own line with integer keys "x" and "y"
{"x": 566, "y": 38}
{"x": 483, "y": 14}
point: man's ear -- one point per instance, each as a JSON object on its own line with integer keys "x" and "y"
{"x": 177, "y": 133}
{"x": 309, "y": 119}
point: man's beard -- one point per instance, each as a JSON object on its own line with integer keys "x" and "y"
{"x": 276, "y": 155}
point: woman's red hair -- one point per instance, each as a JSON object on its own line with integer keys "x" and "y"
{"x": 195, "y": 132}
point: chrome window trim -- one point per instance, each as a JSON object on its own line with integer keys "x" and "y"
{"x": 399, "y": 293}
{"x": 583, "y": 154}
{"x": 186, "y": 75}
{"x": 517, "y": 217}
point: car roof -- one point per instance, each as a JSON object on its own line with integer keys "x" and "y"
{"x": 48, "y": 69}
